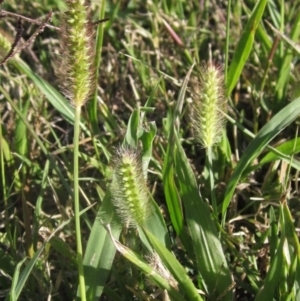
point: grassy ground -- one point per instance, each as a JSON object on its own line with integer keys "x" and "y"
{"x": 237, "y": 239}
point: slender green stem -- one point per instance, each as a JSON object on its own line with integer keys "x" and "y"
{"x": 76, "y": 204}
{"x": 211, "y": 180}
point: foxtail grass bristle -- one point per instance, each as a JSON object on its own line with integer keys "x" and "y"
{"x": 76, "y": 70}
{"x": 208, "y": 103}
{"x": 128, "y": 188}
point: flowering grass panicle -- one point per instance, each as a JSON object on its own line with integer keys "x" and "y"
{"x": 129, "y": 189}
{"x": 208, "y": 102}
{"x": 76, "y": 70}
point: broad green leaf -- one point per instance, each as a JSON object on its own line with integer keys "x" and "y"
{"x": 100, "y": 251}
{"x": 281, "y": 120}
{"x": 244, "y": 46}
{"x": 208, "y": 250}
{"x": 156, "y": 225}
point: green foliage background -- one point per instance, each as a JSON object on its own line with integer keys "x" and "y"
{"x": 242, "y": 247}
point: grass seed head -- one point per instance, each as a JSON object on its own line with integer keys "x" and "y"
{"x": 76, "y": 69}
{"x": 129, "y": 189}
{"x": 208, "y": 102}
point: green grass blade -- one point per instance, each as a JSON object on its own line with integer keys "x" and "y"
{"x": 281, "y": 155}
{"x": 56, "y": 99}
{"x": 210, "y": 257}
{"x": 60, "y": 103}
{"x": 290, "y": 147}
{"x": 14, "y": 292}
{"x": 100, "y": 250}
{"x": 281, "y": 120}
{"x": 170, "y": 190}
{"x": 244, "y": 46}
{"x": 156, "y": 225}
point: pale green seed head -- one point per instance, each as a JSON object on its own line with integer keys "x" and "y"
{"x": 208, "y": 103}
{"x": 128, "y": 188}
{"x": 76, "y": 72}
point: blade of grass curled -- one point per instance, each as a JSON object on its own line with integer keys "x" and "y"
{"x": 208, "y": 250}
{"x": 244, "y": 46}
{"x": 148, "y": 271}
{"x": 176, "y": 269}
{"x": 281, "y": 120}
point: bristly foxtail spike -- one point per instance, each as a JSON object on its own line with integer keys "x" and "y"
{"x": 129, "y": 189}
{"x": 77, "y": 69}
{"x": 208, "y": 103}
